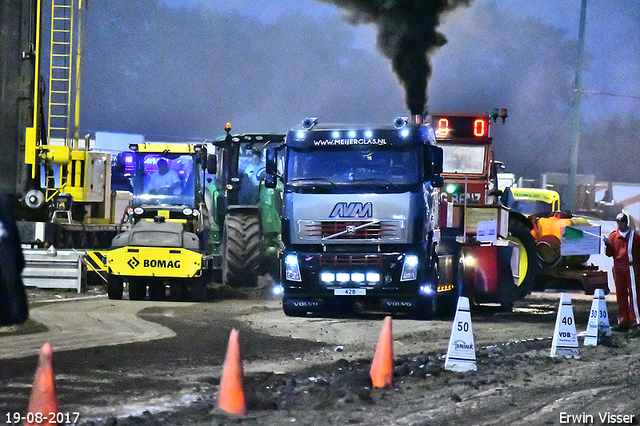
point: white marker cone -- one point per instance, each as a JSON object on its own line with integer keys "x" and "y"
{"x": 461, "y": 354}
{"x": 565, "y": 339}
{"x": 598, "y": 320}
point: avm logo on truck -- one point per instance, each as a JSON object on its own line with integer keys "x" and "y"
{"x": 353, "y": 209}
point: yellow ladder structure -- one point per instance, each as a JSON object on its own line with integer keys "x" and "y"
{"x": 60, "y": 70}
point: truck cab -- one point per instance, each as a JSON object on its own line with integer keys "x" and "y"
{"x": 358, "y": 215}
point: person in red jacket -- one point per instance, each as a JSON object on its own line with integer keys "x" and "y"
{"x": 623, "y": 245}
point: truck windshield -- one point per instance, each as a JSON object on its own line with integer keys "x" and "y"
{"x": 465, "y": 159}
{"x": 394, "y": 169}
{"x": 164, "y": 180}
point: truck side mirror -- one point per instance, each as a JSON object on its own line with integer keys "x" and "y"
{"x": 436, "y": 160}
{"x": 437, "y": 181}
{"x": 432, "y": 160}
{"x": 212, "y": 164}
{"x": 271, "y": 162}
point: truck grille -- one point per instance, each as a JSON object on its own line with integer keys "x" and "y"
{"x": 340, "y": 230}
{"x": 350, "y": 260}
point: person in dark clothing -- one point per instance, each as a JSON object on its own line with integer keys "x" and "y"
{"x": 14, "y": 307}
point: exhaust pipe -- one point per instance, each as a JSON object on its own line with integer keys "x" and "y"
{"x": 416, "y": 119}
{"x": 412, "y": 120}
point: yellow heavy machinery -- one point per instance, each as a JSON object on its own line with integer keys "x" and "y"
{"x": 60, "y": 189}
{"x": 559, "y": 267}
{"x": 169, "y": 244}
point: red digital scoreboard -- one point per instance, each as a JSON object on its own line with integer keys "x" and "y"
{"x": 453, "y": 126}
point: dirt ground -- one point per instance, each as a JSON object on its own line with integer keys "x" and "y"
{"x": 323, "y": 377}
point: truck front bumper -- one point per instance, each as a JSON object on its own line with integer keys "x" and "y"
{"x": 383, "y": 280}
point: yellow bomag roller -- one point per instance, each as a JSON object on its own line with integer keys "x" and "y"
{"x": 168, "y": 243}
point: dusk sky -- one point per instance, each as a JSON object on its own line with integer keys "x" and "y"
{"x": 184, "y": 68}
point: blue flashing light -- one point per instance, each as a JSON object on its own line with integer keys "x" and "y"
{"x": 404, "y": 133}
{"x": 335, "y": 135}
{"x": 148, "y": 161}
{"x": 352, "y": 134}
{"x": 368, "y": 134}
{"x": 300, "y": 135}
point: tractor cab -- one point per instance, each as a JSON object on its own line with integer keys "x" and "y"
{"x": 167, "y": 181}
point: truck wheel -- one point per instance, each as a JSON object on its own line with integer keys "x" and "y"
{"x": 137, "y": 290}
{"x": 447, "y": 304}
{"x": 427, "y": 308}
{"x": 240, "y": 250}
{"x": 528, "y": 265}
{"x": 114, "y": 287}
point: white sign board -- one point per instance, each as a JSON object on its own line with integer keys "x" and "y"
{"x": 487, "y": 231}
{"x": 580, "y": 240}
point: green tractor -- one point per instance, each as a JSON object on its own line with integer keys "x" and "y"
{"x": 246, "y": 227}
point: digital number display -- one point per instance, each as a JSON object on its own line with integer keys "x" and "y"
{"x": 453, "y": 126}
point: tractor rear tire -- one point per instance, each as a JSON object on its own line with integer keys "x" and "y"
{"x": 240, "y": 249}
{"x": 529, "y": 265}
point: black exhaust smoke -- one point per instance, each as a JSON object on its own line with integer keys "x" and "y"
{"x": 407, "y": 35}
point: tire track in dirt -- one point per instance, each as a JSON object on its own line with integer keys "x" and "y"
{"x": 94, "y": 322}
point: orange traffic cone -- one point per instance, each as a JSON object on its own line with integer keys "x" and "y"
{"x": 382, "y": 367}
{"x": 44, "y": 399}
{"x": 231, "y": 397}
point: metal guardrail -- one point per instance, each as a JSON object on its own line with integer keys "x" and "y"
{"x": 53, "y": 269}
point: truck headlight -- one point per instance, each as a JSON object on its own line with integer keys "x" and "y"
{"x": 372, "y": 277}
{"x": 291, "y": 268}
{"x": 410, "y": 268}
{"x": 343, "y": 277}
{"x": 327, "y": 277}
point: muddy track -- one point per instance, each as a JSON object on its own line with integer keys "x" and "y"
{"x": 315, "y": 371}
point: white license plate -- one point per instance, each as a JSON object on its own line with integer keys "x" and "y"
{"x": 350, "y": 292}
